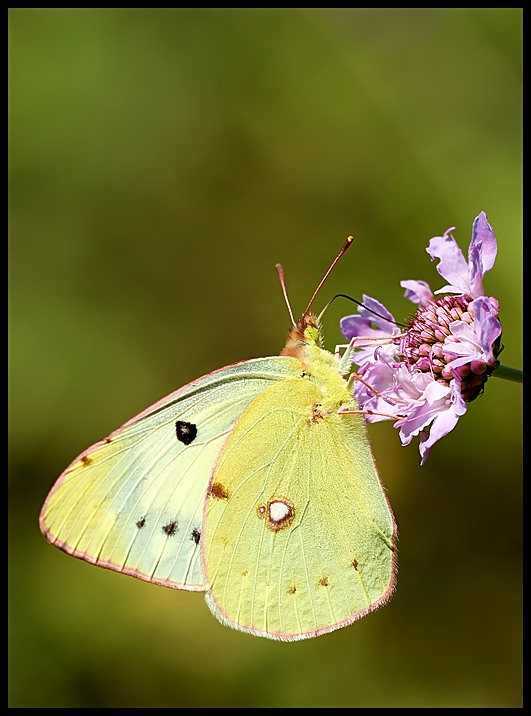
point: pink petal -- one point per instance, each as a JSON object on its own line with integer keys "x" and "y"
{"x": 452, "y": 265}
{"x": 417, "y": 291}
{"x": 484, "y": 238}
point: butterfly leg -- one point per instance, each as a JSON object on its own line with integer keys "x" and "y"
{"x": 367, "y": 411}
{"x": 345, "y": 360}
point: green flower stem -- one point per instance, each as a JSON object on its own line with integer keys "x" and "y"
{"x": 514, "y": 374}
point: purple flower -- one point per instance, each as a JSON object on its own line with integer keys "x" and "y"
{"x": 424, "y": 376}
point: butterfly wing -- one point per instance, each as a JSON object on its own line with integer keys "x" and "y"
{"x": 299, "y": 538}
{"x": 134, "y": 501}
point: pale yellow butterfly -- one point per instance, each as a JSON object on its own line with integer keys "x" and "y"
{"x": 255, "y": 484}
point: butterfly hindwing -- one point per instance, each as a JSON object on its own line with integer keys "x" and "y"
{"x": 298, "y": 534}
{"x": 134, "y": 501}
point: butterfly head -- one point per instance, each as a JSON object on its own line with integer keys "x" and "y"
{"x": 306, "y": 332}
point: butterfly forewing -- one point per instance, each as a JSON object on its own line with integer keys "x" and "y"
{"x": 134, "y": 501}
{"x": 299, "y": 536}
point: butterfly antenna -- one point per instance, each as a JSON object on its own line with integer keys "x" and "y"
{"x": 348, "y": 242}
{"x": 359, "y": 303}
{"x": 280, "y": 272}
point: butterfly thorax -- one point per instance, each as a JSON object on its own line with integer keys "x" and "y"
{"x": 304, "y": 342}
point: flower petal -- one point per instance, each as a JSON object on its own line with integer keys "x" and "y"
{"x": 444, "y": 422}
{"x": 487, "y": 327}
{"x": 452, "y": 266}
{"x": 417, "y": 291}
{"x": 423, "y": 411}
{"x": 376, "y": 377}
{"x": 372, "y": 313}
{"x": 483, "y": 237}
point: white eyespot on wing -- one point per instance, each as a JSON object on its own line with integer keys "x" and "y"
{"x": 278, "y": 512}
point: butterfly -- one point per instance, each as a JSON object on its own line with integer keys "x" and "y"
{"x": 254, "y": 484}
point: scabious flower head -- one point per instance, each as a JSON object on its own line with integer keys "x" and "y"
{"x": 424, "y": 376}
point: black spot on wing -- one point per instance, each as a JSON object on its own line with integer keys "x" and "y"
{"x": 170, "y": 529}
{"x": 141, "y": 522}
{"x": 186, "y": 432}
{"x": 196, "y": 535}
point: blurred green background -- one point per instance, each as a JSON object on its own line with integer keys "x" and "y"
{"x": 160, "y": 163}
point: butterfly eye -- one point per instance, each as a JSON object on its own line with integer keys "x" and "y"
{"x": 311, "y": 333}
